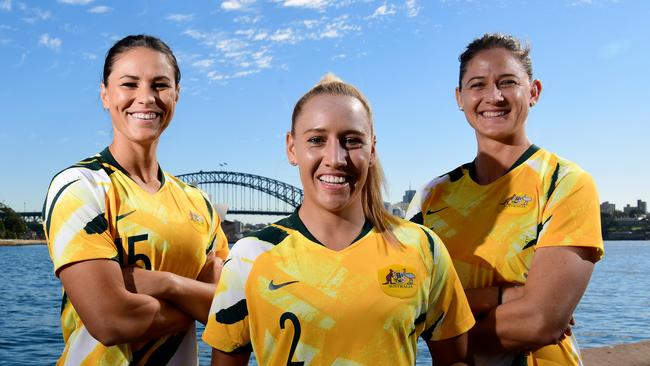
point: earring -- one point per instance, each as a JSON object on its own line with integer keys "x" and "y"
{"x": 532, "y": 103}
{"x": 460, "y": 108}
{"x": 293, "y": 162}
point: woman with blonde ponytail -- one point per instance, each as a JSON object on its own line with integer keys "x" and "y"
{"x": 340, "y": 281}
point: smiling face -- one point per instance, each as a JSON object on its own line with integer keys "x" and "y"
{"x": 140, "y": 96}
{"x": 333, "y": 146}
{"x": 496, "y": 95}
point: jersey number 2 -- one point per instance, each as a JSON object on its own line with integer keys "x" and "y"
{"x": 296, "y": 335}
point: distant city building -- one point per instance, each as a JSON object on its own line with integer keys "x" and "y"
{"x": 399, "y": 209}
{"x": 607, "y": 208}
{"x": 408, "y": 195}
{"x": 628, "y": 210}
{"x": 642, "y": 206}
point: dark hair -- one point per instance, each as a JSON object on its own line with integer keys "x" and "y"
{"x": 134, "y": 41}
{"x": 373, "y": 203}
{"x": 495, "y": 40}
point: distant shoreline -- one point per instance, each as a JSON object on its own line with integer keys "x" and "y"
{"x": 20, "y": 242}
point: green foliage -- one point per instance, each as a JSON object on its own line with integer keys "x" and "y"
{"x": 12, "y": 225}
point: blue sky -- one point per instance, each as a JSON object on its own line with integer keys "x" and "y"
{"x": 245, "y": 63}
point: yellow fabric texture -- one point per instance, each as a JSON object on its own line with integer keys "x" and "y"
{"x": 93, "y": 210}
{"x": 366, "y": 304}
{"x": 492, "y": 231}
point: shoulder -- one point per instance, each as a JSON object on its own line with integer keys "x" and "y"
{"x": 259, "y": 242}
{"x": 417, "y": 236}
{"x": 88, "y": 174}
{"x": 194, "y": 193}
{"x": 558, "y": 171}
{"x": 425, "y": 194}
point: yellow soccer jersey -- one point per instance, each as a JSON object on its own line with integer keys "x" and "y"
{"x": 93, "y": 210}
{"x": 297, "y": 302}
{"x": 493, "y": 230}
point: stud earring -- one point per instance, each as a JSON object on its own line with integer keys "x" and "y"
{"x": 532, "y": 103}
{"x": 293, "y": 162}
{"x": 460, "y": 108}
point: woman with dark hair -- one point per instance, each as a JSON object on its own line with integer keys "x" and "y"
{"x": 340, "y": 281}
{"x": 137, "y": 251}
{"x": 521, "y": 224}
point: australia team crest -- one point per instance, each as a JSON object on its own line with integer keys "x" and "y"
{"x": 398, "y": 280}
{"x": 518, "y": 202}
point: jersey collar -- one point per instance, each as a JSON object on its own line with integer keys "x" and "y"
{"x": 294, "y": 222}
{"x": 107, "y": 157}
{"x": 471, "y": 167}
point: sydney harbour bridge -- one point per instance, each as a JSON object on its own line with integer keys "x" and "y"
{"x": 242, "y": 193}
{"x": 246, "y": 194}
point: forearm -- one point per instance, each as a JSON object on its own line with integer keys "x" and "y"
{"x": 188, "y": 295}
{"x": 513, "y": 326}
{"x": 451, "y": 352}
{"x": 482, "y": 300}
{"x": 193, "y": 297}
{"x": 220, "y": 358}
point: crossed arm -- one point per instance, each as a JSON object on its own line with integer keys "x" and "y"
{"x": 538, "y": 313}
{"x": 111, "y": 313}
{"x": 133, "y": 305}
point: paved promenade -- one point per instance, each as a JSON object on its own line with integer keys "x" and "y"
{"x": 630, "y": 354}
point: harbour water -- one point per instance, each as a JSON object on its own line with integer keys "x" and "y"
{"x": 614, "y": 310}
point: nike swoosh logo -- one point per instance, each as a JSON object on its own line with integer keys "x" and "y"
{"x": 120, "y": 217}
{"x": 226, "y": 261}
{"x": 274, "y": 286}
{"x": 432, "y": 212}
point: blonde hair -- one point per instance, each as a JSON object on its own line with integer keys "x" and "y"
{"x": 371, "y": 197}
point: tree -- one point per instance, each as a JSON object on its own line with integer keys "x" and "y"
{"x": 13, "y": 225}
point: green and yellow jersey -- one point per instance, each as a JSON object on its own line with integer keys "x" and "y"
{"x": 492, "y": 231}
{"x": 297, "y": 302}
{"x": 93, "y": 210}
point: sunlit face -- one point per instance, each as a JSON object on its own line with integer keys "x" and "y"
{"x": 496, "y": 95}
{"x": 333, "y": 146}
{"x": 141, "y": 95}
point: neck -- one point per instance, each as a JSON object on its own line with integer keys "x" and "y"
{"x": 139, "y": 161}
{"x": 335, "y": 230}
{"x": 494, "y": 158}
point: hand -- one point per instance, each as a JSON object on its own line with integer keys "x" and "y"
{"x": 568, "y": 331}
{"x": 211, "y": 270}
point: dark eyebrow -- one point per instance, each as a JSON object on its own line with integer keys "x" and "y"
{"x": 483, "y": 77}
{"x": 322, "y": 130}
{"x": 160, "y": 77}
{"x": 475, "y": 78}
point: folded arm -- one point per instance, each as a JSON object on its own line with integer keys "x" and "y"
{"x": 191, "y": 296}
{"x": 111, "y": 313}
{"x": 540, "y": 316}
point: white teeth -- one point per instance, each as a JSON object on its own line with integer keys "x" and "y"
{"x": 151, "y": 115}
{"x": 332, "y": 179}
{"x": 493, "y": 114}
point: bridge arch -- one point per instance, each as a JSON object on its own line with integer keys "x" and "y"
{"x": 290, "y": 195}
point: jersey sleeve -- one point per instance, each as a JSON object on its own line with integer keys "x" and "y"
{"x": 449, "y": 314}
{"x": 571, "y": 216}
{"x": 227, "y": 328}
{"x": 76, "y": 222}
